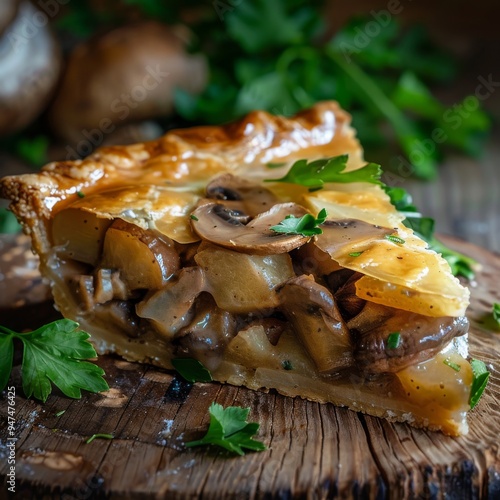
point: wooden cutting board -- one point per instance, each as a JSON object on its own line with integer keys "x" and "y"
{"x": 315, "y": 451}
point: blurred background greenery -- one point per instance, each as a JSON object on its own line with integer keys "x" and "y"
{"x": 77, "y": 74}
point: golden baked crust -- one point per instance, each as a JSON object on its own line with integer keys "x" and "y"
{"x": 130, "y": 193}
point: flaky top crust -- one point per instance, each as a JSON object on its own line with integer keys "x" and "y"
{"x": 185, "y": 154}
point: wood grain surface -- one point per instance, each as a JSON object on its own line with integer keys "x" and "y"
{"x": 315, "y": 451}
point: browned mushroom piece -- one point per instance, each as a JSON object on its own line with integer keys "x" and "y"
{"x": 310, "y": 259}
{"x": 146, "y": 260}
{"x": 343, "y": 232}
{"x": 128, "y": 74}
{"x": 343, "y": 284}
{"x": 241, "y": 195}
{"x": 170, "y": 308}
{"x": 419, "y": 337}
{"x": 218, "y": 224}
{"x": 208, "y": 333}
{"x": 29, "y": 65}
{"x": 311, "y": 310}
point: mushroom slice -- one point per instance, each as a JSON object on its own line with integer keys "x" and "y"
{"x": 215, "y": 223}
{"x": 419, "y": 337}
{"x": 240, "y": 194}
{"x": 207, "y": 334}
{"x": 169, "y": 309}
{"x": 347, "y": 233}
{"x": 315, "y": 318}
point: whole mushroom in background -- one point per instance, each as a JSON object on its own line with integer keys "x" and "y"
{"x": 30, "y": 64}
{"x": 125, "y": 75}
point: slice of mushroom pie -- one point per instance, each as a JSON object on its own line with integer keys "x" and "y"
{"x": 266, "y": 250}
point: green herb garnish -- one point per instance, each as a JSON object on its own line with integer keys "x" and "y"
{"x": 314, "y": 174}
{"x": 54, "y": 353}
{"x": 80, "y": 194}
{"x": 452, "y": 365}
{"x": 193, "y": 217}
{"x": 8, "y": 222}
{"x": 287, "y": 365}
{"x": 481, "y": 376}
{"x": 60, "y": 413}
{"x": 307, "y": 225}
{"x": 496, "y": 313}
{"x": 33, "y": 150}
{"x": 192, "y": 370}
{"x": 355, "y": 254}
{"x": 395, "y": 239}
{"x": 278, "y": 56}
{"x": 460, "y": 264}
{"x": 394, "y": 340}
{"x": 230, "y": 430}
{"x": 99, "y": 436}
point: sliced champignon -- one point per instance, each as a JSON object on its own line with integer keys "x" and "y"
{"x": 310, "y": 259}
{"x": 215, "y": 223}
{"x": 311, "y": 310}
{"x": 419, "y": 337}
{"x": 146, "y": 260}
{"x": 170, "y": 308}
{"x": 207, "y": 334}
{"x": 241, "y": 195}
{"x": 341, "y": 233}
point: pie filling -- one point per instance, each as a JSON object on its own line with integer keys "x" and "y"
{"x": 164, "y": 250}
{"x": 265, "y": 309}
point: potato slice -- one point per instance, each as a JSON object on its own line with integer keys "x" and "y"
{"x": 441, "y": 382}
{"x": 145, "y": 260}
{"x": 79, "y": 235}
{"x": 242, "y": 283}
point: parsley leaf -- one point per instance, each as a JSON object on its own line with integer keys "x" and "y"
{"x": 192, "y": 370}
{"x": 395, "y": 239}
{"x": 452, "y": 365}
{"x": 314, "y": 174}
{"x": 307, "y": 225}
{"x": 230, "y": 430}
{"x": 54, "y": 353}
{"x": 460, "y": 264}
{"x": 496, "y": 313}
{"x": 394, "y": 340}
{"x": 481, "y": 376}
{"x": 99, "y": 436}
{"x": 33, "y": 150}
{"x": 6, "y": 358}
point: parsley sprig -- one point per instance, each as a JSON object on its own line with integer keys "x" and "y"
{"x": 314, "y": 174}
{"x": 191, "y": 370}
{"x": 53, "y": 353}
{"x": 479, "y": 381}
{"x": 307, "y": 225}
{"x": 496, "y": 313}
{"x": 229, "y": 429}
{"x": 460, "y": 264}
